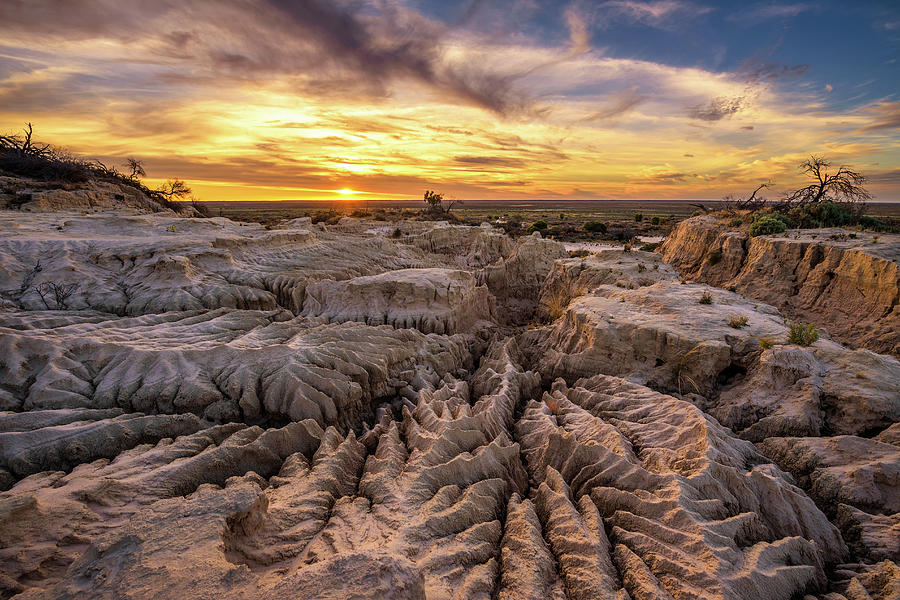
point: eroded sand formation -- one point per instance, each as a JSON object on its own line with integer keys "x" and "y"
{"x": 848, "y": 285}
{"x": 213, "y": 409}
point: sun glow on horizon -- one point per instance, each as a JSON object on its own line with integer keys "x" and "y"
{"x": 522, "y": 114}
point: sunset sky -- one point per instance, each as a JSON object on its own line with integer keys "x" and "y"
{"x": 493, "y": 99}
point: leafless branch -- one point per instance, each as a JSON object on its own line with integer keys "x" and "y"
{"x": 843, "y": 185}
{"x": 58, "y": 292}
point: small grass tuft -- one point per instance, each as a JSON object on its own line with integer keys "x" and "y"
{"x": 766, "y": 342}
{"x": 706, "y": 298}
{"x": 680, "y": 371}
{"x": 738, "y": 321}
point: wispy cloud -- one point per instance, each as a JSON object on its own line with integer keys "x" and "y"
{"x": 759, "y": 72}
{"x": 659, "y": 13}
{"x": 716, "y": 109}
{"x": 882, "y": 116}
{"x": 618, "y": 104}
{"x": 579, "y": 36}
{"x": 766, "y": 11}
{"x": 264, "y": 38}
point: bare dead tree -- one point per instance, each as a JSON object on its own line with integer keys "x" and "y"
{"x": 23, "y": 145}
{"x": 700, "y": 206}
{"x": 135, "y": 168}
{"x": 173, "y": 189}
{"x": 26, "y": 282}
{"x": 58, "y": 292}
{"x": 451, "y": 204}
{"x": 843, "y": 185}
{"x": 752, "y": 202}
{"x": 200, "y": 208}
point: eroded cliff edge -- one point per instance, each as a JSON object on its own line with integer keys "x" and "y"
{"x": 846, "y": 282}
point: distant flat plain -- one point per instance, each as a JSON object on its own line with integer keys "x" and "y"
{"x": 523, "y": 210}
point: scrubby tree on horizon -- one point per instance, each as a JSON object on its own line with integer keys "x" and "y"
{"x": 433, "y": 199}
{"x": 435, "y": 202}
{"x": 843, "y": 185}
{"x": 136, "y": 168}
{"x": 173, "y": 189}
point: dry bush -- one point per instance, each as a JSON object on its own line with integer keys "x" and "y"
{"x": 557, "y": 300}
{"x": 680, "y": 371}
{"x": 57, "y": 292}
{"x": 738, "y": 321}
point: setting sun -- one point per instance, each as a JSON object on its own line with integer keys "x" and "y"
{"x": 346, "y": 192}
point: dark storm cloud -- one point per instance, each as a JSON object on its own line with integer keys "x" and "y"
{"x": 716, "y": 109}
{"x": 323, "y": 42}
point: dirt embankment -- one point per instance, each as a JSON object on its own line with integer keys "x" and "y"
{"x": 847, "y": 283}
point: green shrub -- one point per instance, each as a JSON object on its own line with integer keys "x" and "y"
{"x": 736, "y": 222}
{"x": 654, "y": 221}
{"x": 768, "y": 224}
{"x": 823, "y": 214}
{"x": 766, "y": 343}
{"x": 706, "y": 298}
{"x": 598, "y": 226}
{"x": 802, "y": 334}
{"x": 638, "y": 217}
{"x": 537, "y": 226}
{"x": 872, "y": 223}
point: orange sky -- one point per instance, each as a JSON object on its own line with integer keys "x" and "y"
{"x": 261, "y": 113}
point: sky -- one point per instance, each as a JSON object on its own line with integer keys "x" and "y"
{"x": 478, "y": 99}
